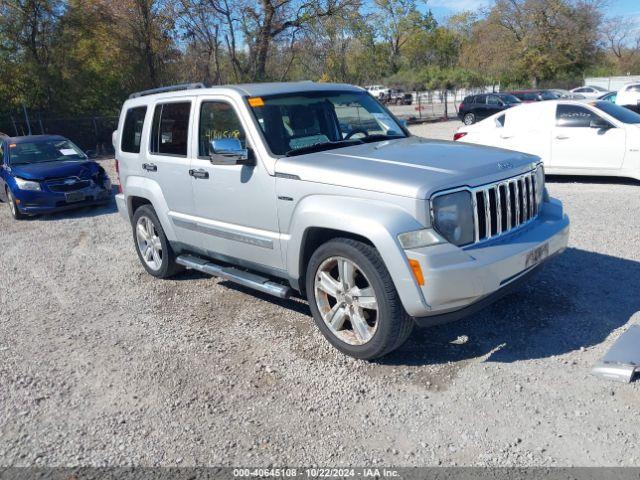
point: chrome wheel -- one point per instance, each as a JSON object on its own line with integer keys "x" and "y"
{"x": 149, "y": 243}
{"x": 346, "y": 300}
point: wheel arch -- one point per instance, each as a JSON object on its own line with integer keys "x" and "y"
{"x": 142, "y": 191}
{"x": 321, "y": 218}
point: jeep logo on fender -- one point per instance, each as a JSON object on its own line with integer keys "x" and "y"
{"x": 505, "y": 165}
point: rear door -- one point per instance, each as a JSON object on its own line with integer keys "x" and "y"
{"x": 575, "y": 145}
{"x": 167, "y": 160}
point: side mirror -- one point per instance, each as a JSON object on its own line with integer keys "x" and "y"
{"x": 600, "y": 124}
{"x": 228, "y": 151}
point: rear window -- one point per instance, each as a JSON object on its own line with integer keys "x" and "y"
{"x": 170, "y": 131}
{"x": 132, "y": 130}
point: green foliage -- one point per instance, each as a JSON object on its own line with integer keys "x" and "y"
{"x": 77, "y": 57}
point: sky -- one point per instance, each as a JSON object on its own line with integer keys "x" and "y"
{"x": 444, "y": 8}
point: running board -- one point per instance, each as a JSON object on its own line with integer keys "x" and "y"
{"x": 241, "y": 277}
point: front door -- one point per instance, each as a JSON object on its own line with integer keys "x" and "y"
{"x": 575, "y": 145}
{"x": 235, "y": 204}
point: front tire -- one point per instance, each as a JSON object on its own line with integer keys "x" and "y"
{"x": 354, "y": 301}
{"x": 153, "y": 248}
{"x": 13, "y": 207}
{"x": 469, "y": 119}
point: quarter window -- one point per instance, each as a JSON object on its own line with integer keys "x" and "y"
{"x": 132, "y": 131}
{"x": 170, "y": 131}
{"x": 218, "y": 120}
{"x": 574, "y": 116}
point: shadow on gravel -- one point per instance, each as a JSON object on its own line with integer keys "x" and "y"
{"x": 590, "y": 179}
{"x": 575, "y": 301}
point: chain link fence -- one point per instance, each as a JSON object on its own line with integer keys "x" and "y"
{"x": 92, "y": 134}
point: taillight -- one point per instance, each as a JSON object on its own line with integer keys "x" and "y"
{"x": 461, "y": 106}
{"x": 118, "y": 176}
{"x": 458, "y": 135}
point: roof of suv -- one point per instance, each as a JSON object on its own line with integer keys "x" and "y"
{"x": 255, "y": 89}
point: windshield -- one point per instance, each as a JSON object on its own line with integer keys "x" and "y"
{"x": 41, "y": 151}
{"x": 510, "y": 99}
{"x": 303, "y": 122}
{"x": 621, "y": 114}
{"x": 547, "y": 95}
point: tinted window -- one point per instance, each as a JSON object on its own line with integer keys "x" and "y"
{"x": 548, "y": 96}
{"x": 501, "y": 119}
{"x": 619, "y": 113}
{"x": 218, "y": 120}
{"x": 582, "y": 90}
{"x": 574, "y": 116}
{"x": 170, "y": 130}
{"x": 482, "y": 99}
{"x": 132, "y": 131}
{"x": 510, "y": 99}
{"x": 633, "y": 88}
{"x": 493, "y": 100}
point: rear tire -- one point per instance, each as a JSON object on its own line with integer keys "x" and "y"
{"x": 354, "y": 301}
{"x": 469, "y": 119}
{"x": 13, "y": 207}
{"x": 153, "y": 248}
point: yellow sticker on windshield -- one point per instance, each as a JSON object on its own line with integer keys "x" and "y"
{"x": 256, "y": 102}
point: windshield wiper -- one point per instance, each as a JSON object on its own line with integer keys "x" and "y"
{"x": 318, "y": 147}
{"x": 381, "y": 136}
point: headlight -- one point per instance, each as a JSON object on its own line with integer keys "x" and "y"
{"x": 27, "y": 185}
{"x": 453, "y": 217}
{"x": 540, "y": 185}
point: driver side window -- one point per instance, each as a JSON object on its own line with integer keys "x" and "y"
{"x": 573, "y": 116}
{"x": 218, "y": 120}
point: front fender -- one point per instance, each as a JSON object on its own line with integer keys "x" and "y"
{"x": 379, "y": 222}
{"x": 150, "y": 190}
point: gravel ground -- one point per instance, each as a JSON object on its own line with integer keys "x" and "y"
{"x": 100, "y": 364}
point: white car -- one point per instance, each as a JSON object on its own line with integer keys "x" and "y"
{"x": 629, "y": 96}
{"x": 378, "y": 91}
{"x": 590, "y": 91}
{"x": 573, "y": 137}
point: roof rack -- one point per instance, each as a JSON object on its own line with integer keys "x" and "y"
{"x": 172, "y": 88}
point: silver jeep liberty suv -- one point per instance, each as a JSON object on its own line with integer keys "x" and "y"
{"x": 318, "y": 189}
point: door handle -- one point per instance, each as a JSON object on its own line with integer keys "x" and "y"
{"x": 199, "y": 173}
{"x": 562, "y": 137}
{"x": 506, "y": 136}
{"x": 150, "y": 167}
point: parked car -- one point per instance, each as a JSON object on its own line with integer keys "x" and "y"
{"x": 609, "y": 97}
{"x": 566, "y": 94}
{"x": 590, "y": 91}
{"x": 378, "y": 91}
{"x": 527, "y": 96}
{"x": 399, "y": 97}
{"x": 571, "y": 137}
{"x": 47, "y": 173}
{"x": 478, "y": 107}
{"x": 317, "y": 188}
{"x": 629, "y": 97}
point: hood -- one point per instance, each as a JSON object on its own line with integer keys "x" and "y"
{"x": 412, "y": 167}
{"x": 49, "y": 170}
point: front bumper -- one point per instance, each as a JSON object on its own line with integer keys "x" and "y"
{"x": 457, "y": 279}
{"x": 45, "y": 202}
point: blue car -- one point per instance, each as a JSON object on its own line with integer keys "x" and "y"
{"x": 42, "y": 174}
